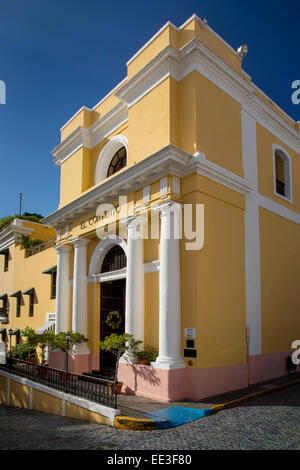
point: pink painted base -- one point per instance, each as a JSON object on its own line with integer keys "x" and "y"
{"x": 179, "y": 384}
{"x": 77, "y": 363}
{"x": 267, "y": 366}
{"x": 196, "y": 384}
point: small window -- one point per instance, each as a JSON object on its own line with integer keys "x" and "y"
{"x": 18, "y": 311}
{"x": 6, "y": 258}
{"x": 53, "y": 285}
{"x": 5, "y": 253}
{"x": 31, "y": 304}
{"x": 282, "y": 173}
{"x": 115, "y": 259}
{"x": 118, "y": 162}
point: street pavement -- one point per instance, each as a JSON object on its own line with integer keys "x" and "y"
{"x": 269, "y": 422}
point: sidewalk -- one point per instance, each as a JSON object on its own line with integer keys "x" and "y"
{"x": 142, "y": 413}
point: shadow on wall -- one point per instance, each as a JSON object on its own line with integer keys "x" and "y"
{"x": 146, "y": 373}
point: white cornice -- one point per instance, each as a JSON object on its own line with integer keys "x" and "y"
{"x": 90, "y": 137}
{"x": 169, "y": 160}
{"x": 12, "y": 233}
{"x": 195, "y": 56}
{"x": 74, "y": 116}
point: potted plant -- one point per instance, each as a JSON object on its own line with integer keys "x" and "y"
{"x": 23, "y": 352}
{"x": 65, "y": 342}
{"x": 117, "y": 345}
{"x": 147, "y": 355}
{"x": 31, "y": 343}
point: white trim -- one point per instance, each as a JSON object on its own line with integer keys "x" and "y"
{"x": 164, "y": 186}
{"x": 252, "y": 234}
{"x": 205, "y": 25}
{"x": 169, "y": 160}
{"x": 89, "y": 138}
{"x": 169, "y": 23}
{"x": 150, "y": 267}
{"x": 110, "y": 276}
{"x": 109, "y": 93}
{"x": 278, "y": 209}
{"x": 214, "y": 172}
{"x": 288, "y": 180}
{"x": 196, "y": 56}
{"x": 74, "y": 116}
{"x": 100, "y": 252}
{"x": 107, "y": 153}
{"x": 155, "y": 36}
{"x": 12, "y": 233}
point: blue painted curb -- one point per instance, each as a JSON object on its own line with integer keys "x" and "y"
{"x": 177, "y": 416}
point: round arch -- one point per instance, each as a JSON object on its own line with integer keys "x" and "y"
{"x": 106, "y": 155}
{"x": 101, "y": 250}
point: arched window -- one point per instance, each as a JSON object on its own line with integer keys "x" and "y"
{"x": 112, "y": 158}
{"x": 282, "y": 173}
{"x": 118, "y": 162}
{"x": 114, "y": 259}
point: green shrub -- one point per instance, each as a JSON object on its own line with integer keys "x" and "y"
{"x": 23, "y": 351}
{"x": 149, "y": 353}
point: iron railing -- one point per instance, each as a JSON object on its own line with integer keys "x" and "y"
{"x": 40, "y": 247}
{"x": 95, "y": 389}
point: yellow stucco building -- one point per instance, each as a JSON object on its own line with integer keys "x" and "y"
{"x": 179, "y": 209}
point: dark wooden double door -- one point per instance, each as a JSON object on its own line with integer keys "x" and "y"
{"x": 112, "y": 298}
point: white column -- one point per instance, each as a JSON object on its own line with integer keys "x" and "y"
{"x": 62, "y": 289}
{"x": 134, "y": 309}
{"x": 169, "y": 296}
{"x": 79, "y": 314}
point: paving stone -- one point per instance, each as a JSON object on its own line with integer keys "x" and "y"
{"x": 269, "y": 422}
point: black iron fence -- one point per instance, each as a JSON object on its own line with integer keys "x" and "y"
{"x": 95, "y": 389}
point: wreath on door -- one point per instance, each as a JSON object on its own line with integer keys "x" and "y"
{"x": 113, "y": 319}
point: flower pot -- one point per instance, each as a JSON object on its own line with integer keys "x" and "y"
{"x": 144, "y": 362}
{"x": 112, "y": 388}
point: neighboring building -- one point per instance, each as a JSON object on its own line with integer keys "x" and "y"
{"x": 28, "y": 296}
{"x": 186, "y": 128}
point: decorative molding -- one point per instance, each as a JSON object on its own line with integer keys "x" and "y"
{"x": 107, "y": 153}
{"x": 169, "y": 160}
{"x": 146, "y": 194}
{"x": 164, "y": 186}
{"x": 88, "y": 138}
{"x": 101, "y": 250}
{"x": 176, "y": 185}
{"x": 12, "y": 233}
{"x": 278, "y": 209}
{"x": 219, "y": 174}
{"x": 195, "y": 56}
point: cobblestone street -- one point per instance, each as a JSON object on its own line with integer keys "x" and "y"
{"x": 270, "y": 422}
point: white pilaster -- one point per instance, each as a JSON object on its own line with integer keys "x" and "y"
{"x": 62, "y": 289}
{"x": 169, "y": 297}
{"x": 79, "y": 314}
{"x": 252, "y": 236}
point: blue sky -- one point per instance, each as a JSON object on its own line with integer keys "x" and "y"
{"x": 58, "y": 55}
